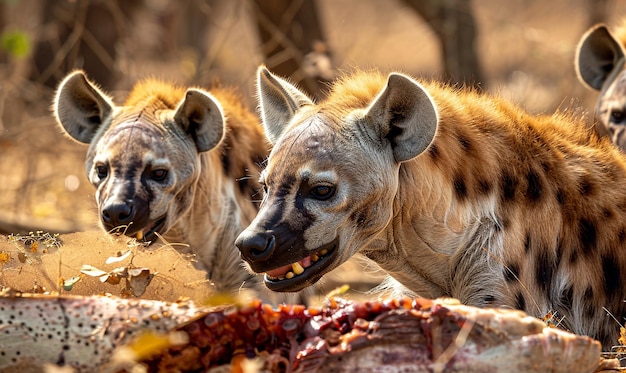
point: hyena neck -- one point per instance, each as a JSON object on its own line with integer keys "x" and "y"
{"x": 216, "y": 219}
{"x": 394, "y": 258}
{"x": 226, "y": 195}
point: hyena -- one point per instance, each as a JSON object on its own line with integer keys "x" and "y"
{"x": 180, "y": 163}
{"x": 451, "y": 192}
{"x": 600, "y": 66}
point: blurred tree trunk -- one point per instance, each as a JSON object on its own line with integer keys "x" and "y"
{"x": 454, "y": 24}
{"x": 80, "y": 34}
{"x": 293, "y": 42}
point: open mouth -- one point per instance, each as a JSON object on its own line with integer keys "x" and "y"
{"x": 149, "y": 234}
{"x": 306, "y": 271}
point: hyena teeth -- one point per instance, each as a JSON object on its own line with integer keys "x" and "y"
{"x": 139, "y": 235}
{"x": 297, "y": 268}
{"x": 315, "y": 258}
{"x": 289, "y": 275}
{"x": 323, "y": 252}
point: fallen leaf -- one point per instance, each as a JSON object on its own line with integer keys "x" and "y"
{"x": 119, "y": 258}
{"x": 92, "y": 271}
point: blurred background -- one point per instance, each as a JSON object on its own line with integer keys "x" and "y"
{"x": 520, "y": 49}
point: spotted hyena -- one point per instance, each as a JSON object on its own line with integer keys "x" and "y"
{"x": 451, "y": 192}
{"x": 599, "y": 63}
{"x": 181, "y": 163}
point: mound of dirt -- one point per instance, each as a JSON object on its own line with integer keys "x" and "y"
{"x": 93, "y": 262}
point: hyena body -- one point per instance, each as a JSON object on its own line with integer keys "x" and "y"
{"x": 600, "y": 59}
{"x": 452, "y": 193}
{"x": 179, "y": 163}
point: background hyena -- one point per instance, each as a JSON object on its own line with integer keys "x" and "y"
{"x": 451, "y": 192}
{"x": 600, "y": 66}
{"x": 179, "y": 163}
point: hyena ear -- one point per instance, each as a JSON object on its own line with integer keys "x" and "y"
{"x": 80, "y": 107}
{"x": 598, "y": 54}
{"x": 405, "y": 115}
{"x": 278, "y": 102}
{"x": 200, "y": 116}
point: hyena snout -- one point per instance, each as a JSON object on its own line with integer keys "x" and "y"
{"x": 119, "y": 214}
{"x": 256, "y": 247}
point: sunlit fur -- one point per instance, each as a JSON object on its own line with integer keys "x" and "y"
{"x": 502, "y": 209}
{"x": 211, "y": 195}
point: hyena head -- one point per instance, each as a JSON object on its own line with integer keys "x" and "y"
{"x": 600, "y": 66}
{"x": 332, "y": 174}
{"x": 143, "y": 157}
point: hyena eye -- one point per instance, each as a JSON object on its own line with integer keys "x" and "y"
{"x": 102, "y": 171}
{"x": 158, "y": 175}
{"x": 617, "y": 116}
{"x": 322, "y": 192}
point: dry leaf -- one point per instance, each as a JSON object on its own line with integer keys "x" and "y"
{"x": 119, "y": 258}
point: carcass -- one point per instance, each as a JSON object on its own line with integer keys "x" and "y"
{"x": 108, "y": 334}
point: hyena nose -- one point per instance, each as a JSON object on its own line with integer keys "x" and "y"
{"x": 256, "y": 247}
{"x": 118, "y": 214}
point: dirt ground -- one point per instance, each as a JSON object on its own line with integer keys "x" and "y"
{"x": 526, "y": 48}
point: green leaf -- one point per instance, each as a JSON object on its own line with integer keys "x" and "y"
{"x": 16, "y": 43}
{"x": 69, "y": 283}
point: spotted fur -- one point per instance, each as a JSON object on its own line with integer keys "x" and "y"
{"x": 600, "y": 66}
{"x": 182, "y": 163}
{"x": 451, "y": 192}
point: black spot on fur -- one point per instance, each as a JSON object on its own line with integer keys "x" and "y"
{"x": 586, "y": 187}
{"x": 534, "y": 188}
{"x": 612, "y": 275}
{"x": 573, "y": 257}
{"x": 433, "y": 152}
{"x": 607, "y": 213}
{"x": 544, "y": 269}
{"x": 621, "y": 235}
{"x": 508, "y": 184}
{"x": 527, "y": 243}
{"x": 225, "y": 163}
{"x": 521, "y": 302}
{"x": 359, "y": 217}
{"x": 464, "y": 142}
{"x": 460, "y": 189}
{"x": 560, "y": 197}
{"x": 511, "y": 272}
{"x": 588, "y": 235}
{"x": 484, "y": 186}
{"x": 559, "y": 248}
